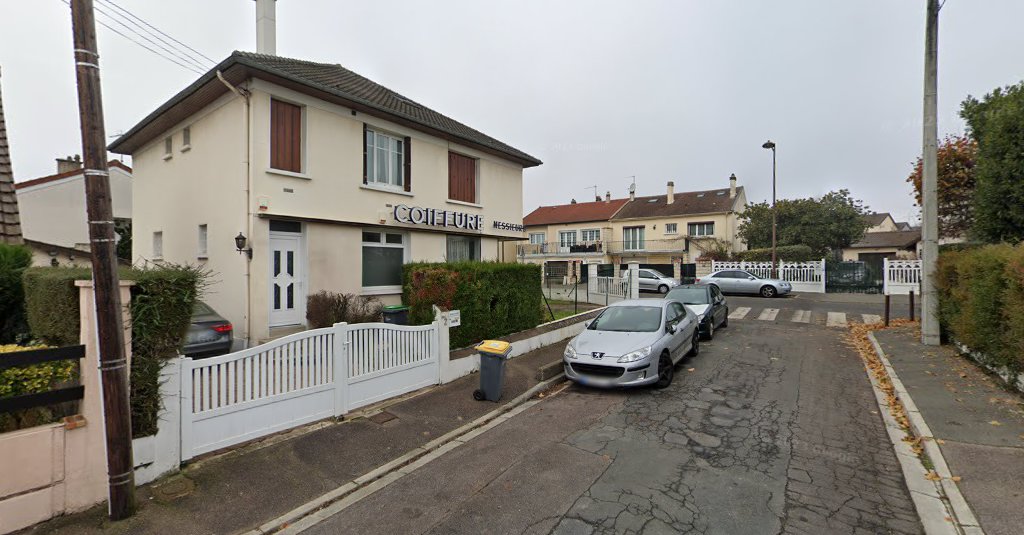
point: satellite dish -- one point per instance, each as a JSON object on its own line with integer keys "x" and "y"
{"x": 632, "y": 188}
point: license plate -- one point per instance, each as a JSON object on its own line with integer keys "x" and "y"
{"x": 202, "y": 338}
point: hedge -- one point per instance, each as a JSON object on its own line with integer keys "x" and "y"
{"x": 32, "y": 379}
{"x": 981, "y": 301}
{"x": 788, "y": 253}
{"x": 161, "y": 311}
{"x": 14, "y": 259}
{"x": 495, "y": 299}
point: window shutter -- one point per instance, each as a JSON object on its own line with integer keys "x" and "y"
{"x": 285, "y": 136}
{"x": 407, "y": 145}
{"x": 365, "y": 170}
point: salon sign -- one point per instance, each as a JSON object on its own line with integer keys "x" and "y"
{"x": 432, "y": 217}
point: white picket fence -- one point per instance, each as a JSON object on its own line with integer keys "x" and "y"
{"x": 804, "y": 276}
{"x": 901, "y": 277}
{"x": 607, "y": 290}
{"x": 299, "y": 379}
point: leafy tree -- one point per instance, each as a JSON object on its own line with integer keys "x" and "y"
{"x": 825, "y": 224}
{"x": 957, "y": 161}
{"x": 997, "y": 123}
{"x": 123, "y": 228}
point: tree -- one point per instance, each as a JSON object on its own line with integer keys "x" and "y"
{"x": 957, "y": 161}
{"x": 997, "y": 123}
{"x": 826, "y": 224}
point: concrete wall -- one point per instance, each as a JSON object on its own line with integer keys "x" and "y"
{"x": 54, "y": 212}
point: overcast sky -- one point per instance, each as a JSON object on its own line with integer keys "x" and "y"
{"x": 600, "y": 91}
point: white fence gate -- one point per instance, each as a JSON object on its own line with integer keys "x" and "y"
{"x": 804, "y": 276}
{"x": 300, "y": 379}
{"x": 901, "y": 277}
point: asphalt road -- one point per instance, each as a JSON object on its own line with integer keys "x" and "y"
{"x": 773, "y": 428}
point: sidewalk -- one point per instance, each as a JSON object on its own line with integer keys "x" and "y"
{"x": 242, "y": 490}
{"x": 978, "y": 425}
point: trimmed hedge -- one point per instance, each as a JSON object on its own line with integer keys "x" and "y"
{"x": 161, "y": 311}
{"x": 495, "y": 299}
{"x": 14, "y": 259}
{"x": 788, "y": 253}
{"x": 981, "y": 301}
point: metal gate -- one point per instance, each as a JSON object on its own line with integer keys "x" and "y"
{"x": 853, "y": 277}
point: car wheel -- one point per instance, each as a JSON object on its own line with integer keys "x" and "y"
{"x": 663, "y": 289}
{"x": 711, "y": 329}
{"x": 666, "y": 371}
{"x": 695, "y": 345}
{"x": 725, "y": 320}
{"x": 767, "y": 291}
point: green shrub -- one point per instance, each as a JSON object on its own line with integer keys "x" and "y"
{"x": 494, "y": 299}
{"x": 788, "y": 253}
{"x": 1013, "y": 311}
{"x": 14, "y": 259}
{"x": 324, "y": 309}
{"x": 32, "y": 379}
{"x": 161, "y": 311}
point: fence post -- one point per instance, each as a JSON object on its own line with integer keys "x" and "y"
{"x": 634, "y": 280}
{"x": 822, "y": 268}
{"x": 887, "y": 310}
{"x": 339, "y": 354}
{"x": 885, "y": 276}
{"x": 185, "y": 408}
{"x": 443, "y": 341}
{"x": 911, "y": 305}
{"x": 591, "y": 278}
{"x": 677, "y": 269}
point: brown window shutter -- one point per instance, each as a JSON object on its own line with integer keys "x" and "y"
{"x": 461, "y": 178}
{"x": 407, "y": 147}
{"x": 365, "y": 170}
{"x": 285, "y": 136}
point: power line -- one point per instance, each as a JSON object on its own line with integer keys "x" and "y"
{"x": 158, "y": 30}
{"x": 147, "y": 37}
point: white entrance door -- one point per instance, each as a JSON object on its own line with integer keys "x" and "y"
{"x": 287, "y": 291}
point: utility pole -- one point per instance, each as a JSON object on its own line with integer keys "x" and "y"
{"x": 930, "y": 196}
{"x": 102, "y": 244}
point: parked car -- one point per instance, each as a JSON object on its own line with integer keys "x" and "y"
{"x": 652, "y": 280}
{"x": 631, "y": 343}
{"x": 209, "y": 335}
{"x": 737, "y": 281}
{"x": 707, "y": 302}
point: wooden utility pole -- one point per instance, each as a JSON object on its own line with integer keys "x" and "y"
{"x": 102, "y": 243}
{"x": 930, "y": 181}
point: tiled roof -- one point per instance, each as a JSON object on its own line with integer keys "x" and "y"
{"x": 10, "y": 222}
{"x": 324, "y": 80}
{"x": 574, "y": 213}
{"x": 66, "y": 174}
{"x": 876, "y": 219}
{"x": 685, "y": 203}
{"x": 902, "y": 239}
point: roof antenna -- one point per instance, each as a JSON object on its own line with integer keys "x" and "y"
{"x": 595, "y": 191}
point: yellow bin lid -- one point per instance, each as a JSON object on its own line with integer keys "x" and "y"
{"x": 495, "y": 347}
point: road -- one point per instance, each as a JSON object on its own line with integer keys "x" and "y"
{"x": 773, "y": 428}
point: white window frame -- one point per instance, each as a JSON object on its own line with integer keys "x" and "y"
{"x": 671, "y": 228}
{"x": 404, "y": 246}
{"x": 538, "y": 238}
{"x": 700, "y": 228}
{"x": 633, "y": 238}
{"x": 202, "y": 241}
{"x": 594, "y": 235}
{"x": 563, "y": 242}
{"x": 158, "y": 245}
{"x": 372, "y": 163}
{"x": 168, "y": 148}
{"x": 186, "y": 139}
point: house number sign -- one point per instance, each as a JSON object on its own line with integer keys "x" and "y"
{"x": 414, "y": 215}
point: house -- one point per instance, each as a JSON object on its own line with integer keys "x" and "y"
{"x": 655, "y": 230}
{"x": 884, "y": 238}
{"x": 10, "y": 226}
{"x": 53, "y": 211}
{"x": 284, "y": 177}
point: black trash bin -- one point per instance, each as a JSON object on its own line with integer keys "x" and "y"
{"x": 493, "y": 355}
{"x": 396, "y": 314}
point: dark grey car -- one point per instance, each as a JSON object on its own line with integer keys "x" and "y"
{"x": 209, "y": 335}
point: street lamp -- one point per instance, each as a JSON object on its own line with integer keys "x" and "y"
{"x": 771, "y": 145}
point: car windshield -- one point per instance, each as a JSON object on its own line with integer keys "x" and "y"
{"x": 628, "y": 319}
{"x": 201, "y": 309}
{"x": 657, "y": 273}
{"x": 690, "y": 296}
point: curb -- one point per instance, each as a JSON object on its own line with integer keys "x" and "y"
{"x": 940, "y": 505}
{"x": 331, "y": 503}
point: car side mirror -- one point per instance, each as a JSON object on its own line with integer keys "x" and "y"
{"x": 672, "y": 328}
{"x": 750, "y": 278}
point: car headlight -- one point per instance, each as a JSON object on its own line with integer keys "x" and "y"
{"x": 636, "y": 355}
{"x": 570, "y": 352}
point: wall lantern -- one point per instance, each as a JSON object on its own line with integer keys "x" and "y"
{"x": 240, "y": 242}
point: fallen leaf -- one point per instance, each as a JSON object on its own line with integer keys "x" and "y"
{"x": 955, "y": 479}
{"x": 691, "y": 369}
{"x": 932, "y": 476}
{"x": 940, "y": 441}
{"x": 994, "y": 422}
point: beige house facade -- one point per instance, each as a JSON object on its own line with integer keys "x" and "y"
{"x": 332, "y": 181}
{"x": 885, "y": 238}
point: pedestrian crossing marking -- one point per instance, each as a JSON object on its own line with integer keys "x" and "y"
{"x": 802, "y": 316}
{"x": 871, "y": 318}
{"x": 836, "y": 319}
{"x": 768, "y": 314}
{"x": 739, "y": 313}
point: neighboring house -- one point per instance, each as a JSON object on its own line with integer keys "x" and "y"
{"x": 53, "y": 211}
{"x": 10, "y": 227}
{"x": 648, "y": 230}
{"x": 885, "y": 238}
{"x": 880, "y": 222}
{"x": 330, "y": 180}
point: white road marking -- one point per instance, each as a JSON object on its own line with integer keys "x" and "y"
{"x": 872, "y": 318}
{"x": 802, "y": 316}
{"x": 739, "y": 313}
{"x": 768, "y": 314}
{"x": 836, "y": 319}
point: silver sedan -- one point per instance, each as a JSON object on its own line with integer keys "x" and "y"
{"x": 632, "y": 343}
{"x": 738, "y": 281}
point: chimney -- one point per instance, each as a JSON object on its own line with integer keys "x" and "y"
{"x": 607, "y": 196}
{"x": 732, "y": 186}
{"x": 266, "y": 27}
{"x": 69, "y": 164}
{"x": 671, "y": 197}
{"x": 632, "y": 192}
{"x": 572, "y": 201}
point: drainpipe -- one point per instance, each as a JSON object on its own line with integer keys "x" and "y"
{"x": 244, "y": 94}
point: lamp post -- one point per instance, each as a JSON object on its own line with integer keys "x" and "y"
{"x": 771, "y": 145}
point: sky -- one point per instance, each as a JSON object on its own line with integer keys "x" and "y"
{"x": 603, "y": 92}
